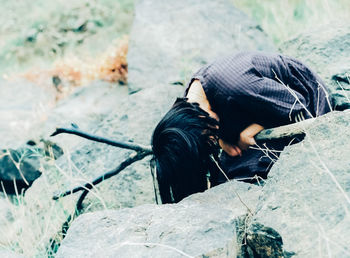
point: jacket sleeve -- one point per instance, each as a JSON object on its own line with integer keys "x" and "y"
{"x": 264, "y": 101}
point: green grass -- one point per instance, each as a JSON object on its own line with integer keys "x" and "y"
{"x": 285, "y": 19}
{"x": 37, "y": 32}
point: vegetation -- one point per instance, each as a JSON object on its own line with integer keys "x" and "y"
{"x": 285, "y": 19}
{"x": 38, "y": 32}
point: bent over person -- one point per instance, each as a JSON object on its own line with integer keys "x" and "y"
{"x": 225, "y": 105}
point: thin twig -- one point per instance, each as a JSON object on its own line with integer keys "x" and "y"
{"x": 124, "y": 145}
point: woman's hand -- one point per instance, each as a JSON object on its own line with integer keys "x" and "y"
{"x": 230, "y": 149}
{"x": 246, "y": 137}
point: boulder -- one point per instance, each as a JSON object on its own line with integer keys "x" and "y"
{"x": 327, "y": 51}
{"x": 170, "y": 40}
{"x": 307, "y": 195}
{"x": 20, "y": 167}
{"x": 203, "y": 225}
{"x": 23, "y": 108}
{"x": 86, "y": 107}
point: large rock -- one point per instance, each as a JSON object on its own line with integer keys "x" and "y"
{"x": 307, "y": 195}
{"x": 207, "y": 224}
{"x": 327, "y": 51}
{"x": 20, "y": 167}
{"x": 170, "y": 40}
{"x": 86, "y": 106}
{"x": 23, "y": 108}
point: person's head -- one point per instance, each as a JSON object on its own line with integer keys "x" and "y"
{"x": 182, "y": 143}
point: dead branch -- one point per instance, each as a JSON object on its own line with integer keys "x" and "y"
{"x": 285, "y": 131}
{"x": 141, "y": 152}
{"x": 124, "y": 145}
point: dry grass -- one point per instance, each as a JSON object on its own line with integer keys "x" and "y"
{"x": 34, "y": 224}
{"x": 109, "y": 66}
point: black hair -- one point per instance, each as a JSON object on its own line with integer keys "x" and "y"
{"x": 182, "y": 143}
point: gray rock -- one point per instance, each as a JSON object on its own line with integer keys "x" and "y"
{"x": 327, "y": 51}
{"x": 10, "y": 254}
{"x": 307, "y": 195}
{"x": 202, "y": 225}
{"x": 20, "y": 167}
{"x": 23, "y": 108}
{"x": 170, "y": 40}
{"x": 87, "y": 106}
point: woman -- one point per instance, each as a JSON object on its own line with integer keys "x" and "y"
{"x": 226, "y": 104}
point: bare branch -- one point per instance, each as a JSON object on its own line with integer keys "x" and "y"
{"x": 89, "y": 186}
{"x": 286, "y": 131}
{"x": 124, "y": 145}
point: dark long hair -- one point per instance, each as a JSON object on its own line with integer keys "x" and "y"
{"x": 182, "y": 143}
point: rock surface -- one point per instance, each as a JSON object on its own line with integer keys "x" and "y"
{"x": 327, "y": 51}
{"x": 205, "y": 225}
{"x": 307, "y": 195}
{"x": 10, "y": 254}
{"x": 170, "y": 40}
{"x": 23, "y": 108}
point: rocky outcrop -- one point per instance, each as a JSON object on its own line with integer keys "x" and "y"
{"x": 307, "y": 195}
{"x": 206, "y": 224}
{"x": 327, "y": 51}
{"x": 170, "y": 40}
{"x": 23, "y": 108}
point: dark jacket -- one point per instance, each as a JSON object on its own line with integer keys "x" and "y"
{"x": 267, "y": 89}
